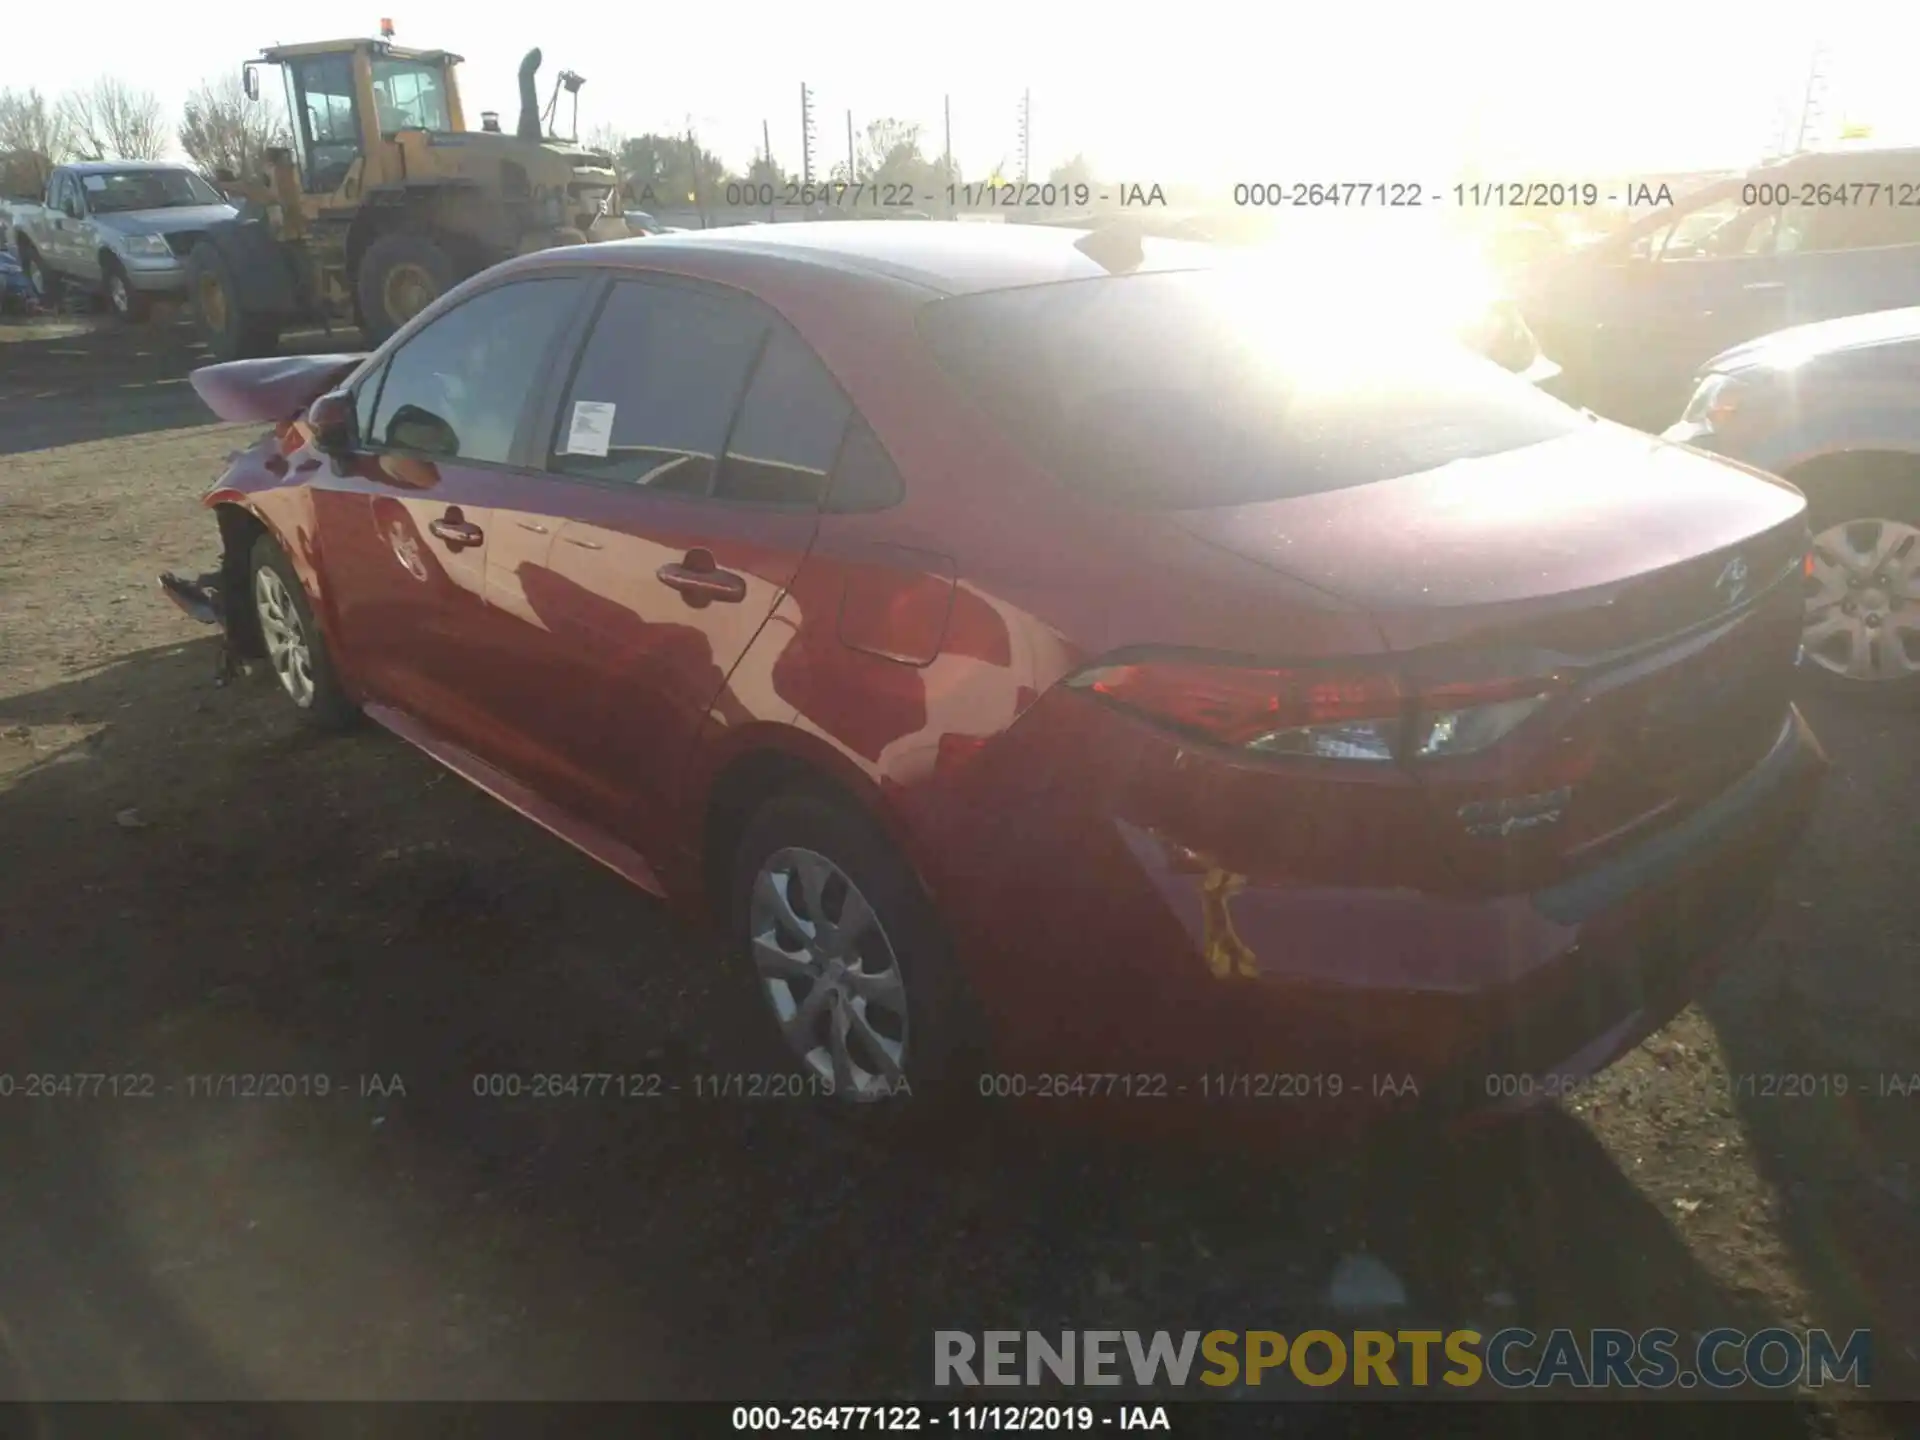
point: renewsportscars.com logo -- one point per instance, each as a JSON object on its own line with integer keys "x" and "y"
{"x": 1511, "y": 1359}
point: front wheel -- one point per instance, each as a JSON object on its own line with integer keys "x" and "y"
{"x": 128, "y": 303}
{"x": 846, "y": 955}
{"x": 231, "y": 333}
{"x": 295, "y": 647}
{"x": 1862, "y": 635}
{"x": 44, "y": 284}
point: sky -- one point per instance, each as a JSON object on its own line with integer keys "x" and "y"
{"x": 1201, "y": 92}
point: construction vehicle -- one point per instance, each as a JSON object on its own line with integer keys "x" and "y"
{"x": 385, "y": 199}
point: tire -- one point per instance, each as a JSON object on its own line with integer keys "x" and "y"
{"x": 230, "y": 332}
{"x": 939, "y": 1045}
{"x": 401, "y": 267}
{"x": 44, "y": 283}
{"x": 127, "y": 303}
{"x": 288, "y": 635}
{"x": 1857, "y": 515}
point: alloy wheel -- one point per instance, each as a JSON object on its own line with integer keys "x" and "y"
{"x": 830, "y": 973}
{"x": 1863, "y": 601}
{"x": 285, "y": 637}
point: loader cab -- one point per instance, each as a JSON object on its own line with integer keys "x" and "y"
{"x": 348, "y": 100}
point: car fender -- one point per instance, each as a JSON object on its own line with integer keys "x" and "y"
{"x": 280, "y": 505}
{"x": 1817, "y": 436}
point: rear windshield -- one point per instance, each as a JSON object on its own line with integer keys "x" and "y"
{"x": 1184, "y": 390}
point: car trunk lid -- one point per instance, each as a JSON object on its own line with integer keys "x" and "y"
{"x": 1652, "y": 592}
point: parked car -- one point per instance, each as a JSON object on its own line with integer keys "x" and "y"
{"x": 119, "y": 227}
{"x": 1052, "y": 670}
{"x": 1820, "y": 235}
{"x": 1835, "y": 408}
{"x": 16, "y": 296}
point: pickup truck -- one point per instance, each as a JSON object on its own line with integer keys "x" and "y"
{"x": 119, "y": 227}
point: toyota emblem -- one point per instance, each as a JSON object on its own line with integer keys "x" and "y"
{"x": 1732, "y": 583}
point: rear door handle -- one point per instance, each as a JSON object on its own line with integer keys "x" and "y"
{"x": 529, "y": 525}
{"x": 456, "y": 531}
{"x": 701, "y": 581}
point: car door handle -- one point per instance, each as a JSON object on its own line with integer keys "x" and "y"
{"x": 455, "y": 531}
{"x": 700, "y": 580}
{"x": 529, "y": 525}
{"x": 1767, "y": 285}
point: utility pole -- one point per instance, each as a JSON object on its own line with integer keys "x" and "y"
{"x": 808, "y": 136}
{"x": 946, "y": 163}
{"x": 1026, "y": 133}
{"x": 1810, "y": 106}
{"x": 853, "y": 175}
{"x": 766, "y": 148}
{"x": 693, "y": 171}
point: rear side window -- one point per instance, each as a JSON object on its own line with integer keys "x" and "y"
{"x": 1184, "y": 390}
{"x": 789, "y": 428}
{"x": 657, "y": 387}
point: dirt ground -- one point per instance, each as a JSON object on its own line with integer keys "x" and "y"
{"x": 189, "y": 884}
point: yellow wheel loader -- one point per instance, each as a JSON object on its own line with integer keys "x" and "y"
{"x": 385, "y": 199}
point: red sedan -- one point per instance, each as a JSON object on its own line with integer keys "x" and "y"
{"x": 1056, "y": 665}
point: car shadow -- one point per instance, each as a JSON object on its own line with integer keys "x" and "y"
{"x": 1821, "y": 1067}
{"x": 302, "y": 991}
{"x": 70, "y": 380}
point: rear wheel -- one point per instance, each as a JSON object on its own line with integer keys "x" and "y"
{"x": 400, "y": 275}
{"x": 295, "y": 647}
{"x": 853, "y": 977}
{"x": 1862, "y": 634}
{"x": 231, "y": 333}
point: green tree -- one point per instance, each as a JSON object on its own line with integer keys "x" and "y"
{"x": 671, "y": 172}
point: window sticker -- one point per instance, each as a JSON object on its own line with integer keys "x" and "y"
{"x": 591, "y": 427}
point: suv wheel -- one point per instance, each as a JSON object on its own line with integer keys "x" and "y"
{"x": 1862, "y": 635}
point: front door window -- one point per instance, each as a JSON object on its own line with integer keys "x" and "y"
{"x": 326, "y": 121}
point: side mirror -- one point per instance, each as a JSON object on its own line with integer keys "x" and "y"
{"x": 72, "y": 209}
{"x": 250, "y": 81}
{"x": 331, "y": 419}
{"x": 414, "y": 428}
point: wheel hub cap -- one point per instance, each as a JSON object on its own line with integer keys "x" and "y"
{"x": 285, "y": 638}
{"x": 1863, "y": 600}
{"x": 408, "y": 291}
{"x": 830, "y": 973}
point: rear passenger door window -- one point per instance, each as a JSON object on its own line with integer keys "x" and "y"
{"x": 458, "y": 388}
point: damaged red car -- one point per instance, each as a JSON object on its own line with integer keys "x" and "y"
{"x": 1058, "y": 665}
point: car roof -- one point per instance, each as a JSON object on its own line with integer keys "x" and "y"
{"x": 945, "y": 257}
{"x": 101, "y": 167}
{"x": 1865, "y": 152}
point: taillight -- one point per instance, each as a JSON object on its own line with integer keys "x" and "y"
{"x": 1329, "y": 714}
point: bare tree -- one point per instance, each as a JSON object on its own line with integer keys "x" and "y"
{"x": 221, "y": 129}
{"x": 113, "y": 121}
{"x": 33, "y": 139}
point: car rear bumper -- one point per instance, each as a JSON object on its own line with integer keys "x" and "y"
{"x": 1310, "y": 1005}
